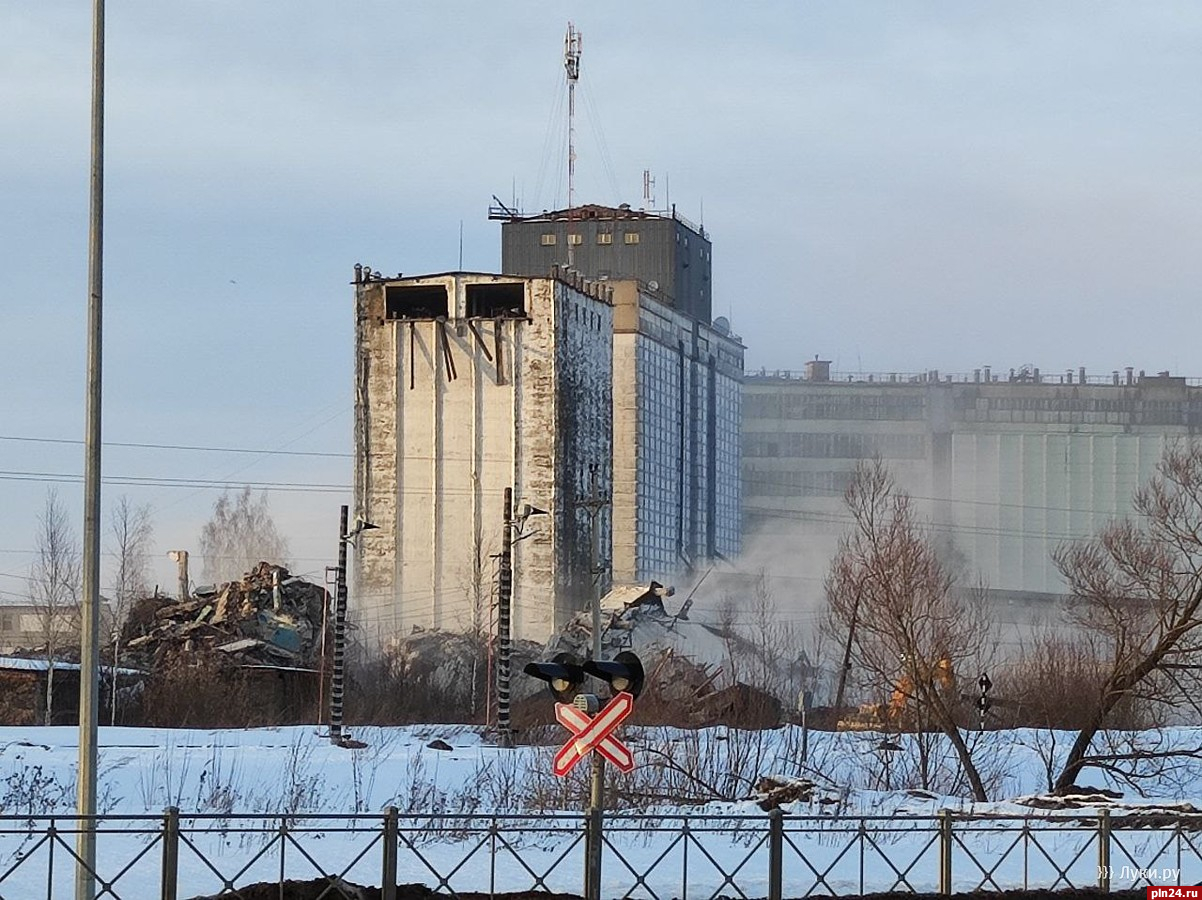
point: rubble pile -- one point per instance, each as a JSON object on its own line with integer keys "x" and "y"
{"x": 683, "y": 687}
{"x": 268, "y": 618}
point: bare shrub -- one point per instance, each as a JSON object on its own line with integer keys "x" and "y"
{"x": 198, "y": 691}
{"x": 1043, "y": 686}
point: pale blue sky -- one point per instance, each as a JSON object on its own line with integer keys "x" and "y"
{"x": 896, "y": 187}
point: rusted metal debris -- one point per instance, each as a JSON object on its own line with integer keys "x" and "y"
{"x": 267, "y": 618}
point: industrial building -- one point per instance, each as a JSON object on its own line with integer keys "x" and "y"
{"x": 665, "y": 251}
{"x": 677, "y": 377}
{"x": 1006, "y": 467}
{"x": 468, "y": 384}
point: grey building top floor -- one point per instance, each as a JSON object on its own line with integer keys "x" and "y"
{"x": 598, "y": 212}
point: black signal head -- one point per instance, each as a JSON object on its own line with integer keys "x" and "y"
{"x": 564, "y": 675}
{"x": 624, "y": 672}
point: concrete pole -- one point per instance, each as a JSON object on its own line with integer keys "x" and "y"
{"x": 180, "y": 558}
{"x": 339, "y": 633}
{"x": 504, "y": 612}
{"x": 89, "y": 657}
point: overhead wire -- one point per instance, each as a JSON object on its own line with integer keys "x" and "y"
{"x": 185, "y": 447}
{"x": 553, "y": 135}
{"x": 595, "y": 122}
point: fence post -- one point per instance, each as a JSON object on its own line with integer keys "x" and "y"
{"x": 776, "y": 852}
{"x": 945, "y": 851}
{"x": 170, "y": 883}
{"x": 592, "y": 854}
{"x": 388, "y": 880}
{"x": 1104, "y": 850}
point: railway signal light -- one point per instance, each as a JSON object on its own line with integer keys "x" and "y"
{"x": 624, "y": 673}
{"x": 983, "y": 701}
{"x": 564, "y": 675}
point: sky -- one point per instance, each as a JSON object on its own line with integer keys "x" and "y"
{"x": 894, "y": 187}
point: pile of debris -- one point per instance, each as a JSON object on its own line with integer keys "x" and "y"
{"x": 267, "y": 618}
{"x": 687, "y": 662}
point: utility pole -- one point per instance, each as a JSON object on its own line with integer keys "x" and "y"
{"x": 89, "y": 631}
{"x": 339, "y": 632}
{"x": 846, "y": 666}
{"x": 331, "y": 586}
{"x": 593, "y": 843}
{"x": 504, "y": 610}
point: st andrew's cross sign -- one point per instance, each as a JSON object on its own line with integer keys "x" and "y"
{"x": 594, "y": 734}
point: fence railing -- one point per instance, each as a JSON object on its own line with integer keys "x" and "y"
{"x": 774, "y": 855}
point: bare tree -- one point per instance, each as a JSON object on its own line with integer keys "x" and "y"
{"x": 479, "y": 591}
{"x": 909, "y": 630}
{"x": 479, "y": 586}
{"x": 54, "y": 586}
{"x": 131, "y": 533}
{"x": 240, "y": 534}
{"x": 1137, "y": 587}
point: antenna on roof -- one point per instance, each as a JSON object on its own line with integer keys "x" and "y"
{"x": 571, "y": 64}
{"x": 648, "y": 190}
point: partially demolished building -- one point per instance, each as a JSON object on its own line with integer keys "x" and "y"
{"x": 468, "y": 384}
{"x": 600, "y": 388}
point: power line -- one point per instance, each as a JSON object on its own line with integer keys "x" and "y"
{"x": 193, "y": 483}
{"x": 188, "y": 447}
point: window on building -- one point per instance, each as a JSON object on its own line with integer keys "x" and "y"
{"x": 415, "y": 301}
{"x": 605, "y": 237}
{"x": 548, "y": 240}
{"x": 7, "y": 622}
{"x": 492, "y": 301}
{"x": 631, "y": 237}
{"x": 575, "y": 240}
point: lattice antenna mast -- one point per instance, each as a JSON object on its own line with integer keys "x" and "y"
{"x": 571, "y": 65}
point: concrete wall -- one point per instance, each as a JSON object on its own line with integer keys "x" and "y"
{"x": 443, "y": 429}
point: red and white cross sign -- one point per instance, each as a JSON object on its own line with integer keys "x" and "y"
{"x": 595, "y": 733}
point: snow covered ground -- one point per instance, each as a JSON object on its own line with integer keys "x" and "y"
{"x": 867, "y": 824}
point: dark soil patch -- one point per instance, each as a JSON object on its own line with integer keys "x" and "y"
{"x": 321, "y": 889}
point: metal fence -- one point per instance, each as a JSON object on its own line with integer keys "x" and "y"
{"x": 177, "y": 856}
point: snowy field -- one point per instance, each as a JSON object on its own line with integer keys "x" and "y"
{"x": 478, "y": 817}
